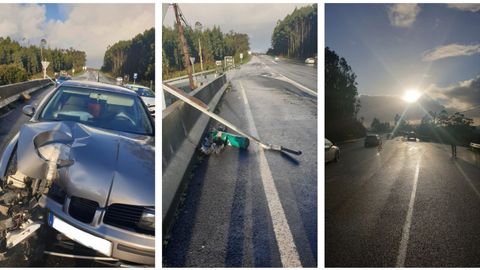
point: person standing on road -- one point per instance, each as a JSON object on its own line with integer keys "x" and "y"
{"x": 453, "y": 145}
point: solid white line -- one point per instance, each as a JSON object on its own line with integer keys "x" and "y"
{"x": 402, "y": 252}
{"x": 305, "y": 89}
{"x": 286, "y": 245}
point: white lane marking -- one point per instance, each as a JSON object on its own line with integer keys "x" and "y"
{"x": 303, "y": 88}
{"x": 287, "y": 248}
{"x": 466, "y": 178}
{"x": 402, "y": 252}
{"x": 274, "y": 62}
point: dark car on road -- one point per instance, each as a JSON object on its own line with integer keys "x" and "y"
{"x": 332, "y": 152}
{"x": 411, "y": 136}
{"x": 373, "y": 140}
{"x": 88, "y": 156}
{"x": 62, "y": 79}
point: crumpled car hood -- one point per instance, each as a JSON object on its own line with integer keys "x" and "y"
{"x": 105, "y": 167}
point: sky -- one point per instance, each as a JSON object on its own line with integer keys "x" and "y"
{"x": 256, "y": 20}
{"x": 393, "y": 47}
{"x": 87, "y": 27}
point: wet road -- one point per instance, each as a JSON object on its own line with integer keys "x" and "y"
{"x": 254, "y": 207}
{"x": 11, "y": 121}
{"x": 299, "y": 72}
{"x": 408, "y": 204}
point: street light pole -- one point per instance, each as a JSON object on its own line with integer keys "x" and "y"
{"x": 44, "y": 63}
{"x": 198, "y": 26}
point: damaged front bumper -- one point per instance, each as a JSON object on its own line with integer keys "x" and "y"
{"x": 125, "y": 245}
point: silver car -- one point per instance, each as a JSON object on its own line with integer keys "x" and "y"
{"x": 332, "y": 152}
{"x": 147, "y": 95}
{"x": 87, "y": 156}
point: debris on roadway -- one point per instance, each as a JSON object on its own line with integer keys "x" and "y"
{"x": 216, "y": 139}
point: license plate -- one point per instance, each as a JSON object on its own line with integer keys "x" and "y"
{"x": 96, "y": 243}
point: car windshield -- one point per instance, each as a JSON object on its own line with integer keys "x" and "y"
{"x": 103, "y": 109}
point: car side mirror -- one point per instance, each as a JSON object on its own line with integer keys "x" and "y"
{"x": 28, "y": 110}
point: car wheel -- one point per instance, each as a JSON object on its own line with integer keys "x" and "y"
{"x": 337, "y": 156}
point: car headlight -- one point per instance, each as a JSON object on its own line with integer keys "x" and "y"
{"x": 147, "y": 219}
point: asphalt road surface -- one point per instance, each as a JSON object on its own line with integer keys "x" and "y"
{"x": 294, "y": 70}
{"x": 254, "y": 208}
{"x": 408, "y": 204}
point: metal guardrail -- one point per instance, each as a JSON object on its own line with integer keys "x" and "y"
{"x": 11, "y": 92}
{"x": 186, "y": 76}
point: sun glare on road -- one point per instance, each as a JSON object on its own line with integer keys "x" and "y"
{"x": 411, "y": 96}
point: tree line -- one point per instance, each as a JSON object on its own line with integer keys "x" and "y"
{"x": 127, "y": 57}
{"x": 18, "y": 63}
{"x": 341, "y": 99}
{"x": 215, "y": 46}
{"x": 296, "y": 35}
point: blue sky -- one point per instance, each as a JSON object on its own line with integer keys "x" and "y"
{"x": 434, "y": 47}
{"x": 57, "y": 12}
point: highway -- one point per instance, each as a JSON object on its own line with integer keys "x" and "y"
{"x": 408, "y": 204}
{"x": 254, "y": 208}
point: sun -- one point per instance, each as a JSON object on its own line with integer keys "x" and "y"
{"x": 411, "y": 95}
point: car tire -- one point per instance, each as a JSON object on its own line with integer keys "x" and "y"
{"x": 337, "y": 156}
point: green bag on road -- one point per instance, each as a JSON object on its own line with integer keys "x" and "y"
{"x": 231, "y": 139}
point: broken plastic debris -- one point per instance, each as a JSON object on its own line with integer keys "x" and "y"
{"x": 218, "y": 137}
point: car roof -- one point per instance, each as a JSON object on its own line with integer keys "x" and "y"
{"x": 99, "y": 86}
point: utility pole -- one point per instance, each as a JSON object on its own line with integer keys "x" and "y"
{"x": 186, "y": 56}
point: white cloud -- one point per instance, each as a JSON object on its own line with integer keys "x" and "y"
{"x": 460, "y": 96}
{"x": 88, "y": 27}
{"x": 403, "y": 15}
{"x": 450, "y": 50}
{"x": 465, "y": 7}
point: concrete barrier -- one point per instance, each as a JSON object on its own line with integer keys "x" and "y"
{"x": 10, "y": 93}
{"x": 182, "y": 130}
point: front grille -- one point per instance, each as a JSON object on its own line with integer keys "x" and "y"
{"x": 82, "y": 209}
{"x": 126, "y": 217}
{"x": 56, "y": 193}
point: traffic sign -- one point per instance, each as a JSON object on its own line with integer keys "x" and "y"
{"x": 135, "y": 75}
{"x": 241, "y": 55}
{"x": 192, "y": 60}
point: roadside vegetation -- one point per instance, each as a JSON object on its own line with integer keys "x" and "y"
{"x": 19, "y": 63}
{"x": 441, "y": 127}
{"x": 127, "y": 57}
{"x": 215, "y": 46}
{"x": 296, "y": 35}
{"x": 341, "y": 100}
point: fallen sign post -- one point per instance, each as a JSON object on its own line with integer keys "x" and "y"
{"x": 199, "y": 105}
